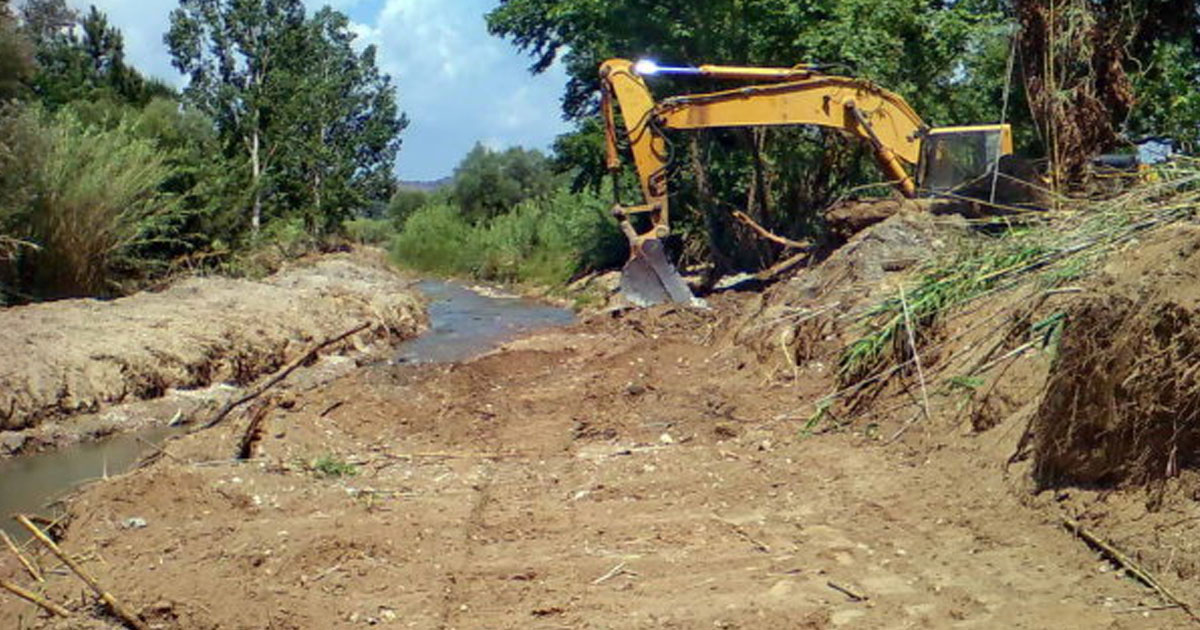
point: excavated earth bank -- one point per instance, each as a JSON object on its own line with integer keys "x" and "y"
{"x": 64, "y": 358}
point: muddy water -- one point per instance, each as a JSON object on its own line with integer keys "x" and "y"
{"x": 463, "y": 323}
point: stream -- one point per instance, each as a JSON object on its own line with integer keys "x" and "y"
{"x": 462, "y": 323}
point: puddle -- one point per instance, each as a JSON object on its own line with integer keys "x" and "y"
{"x": 463, "y": 323}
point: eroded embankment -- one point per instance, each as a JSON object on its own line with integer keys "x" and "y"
{"x": 73, "y": 356}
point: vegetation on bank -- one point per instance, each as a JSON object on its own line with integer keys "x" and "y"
{"x": 287, "y": 139}
{"x": 109, "y": 180}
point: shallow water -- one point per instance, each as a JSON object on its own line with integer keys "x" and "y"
{"x": 463, "y": 323}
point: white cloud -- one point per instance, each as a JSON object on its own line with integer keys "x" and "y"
{"x": 457, "y": 83}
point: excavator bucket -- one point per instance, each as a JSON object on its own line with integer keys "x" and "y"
{"x": 649, "y": 278}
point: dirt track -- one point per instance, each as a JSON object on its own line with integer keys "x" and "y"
{"x": 635, "y": 471}
{"x": 643, "y": 469}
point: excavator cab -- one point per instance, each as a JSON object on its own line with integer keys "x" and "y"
{"x": 952, "y": 157}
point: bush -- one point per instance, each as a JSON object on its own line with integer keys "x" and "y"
{"x": 88, "y": 197}
{"x": 435, "y": 239}
{"x": 98, "y": 206}
{"x": 544, "y": 242}
{"x": 366, "y": 231}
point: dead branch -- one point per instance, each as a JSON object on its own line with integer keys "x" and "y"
{"x": 737, "y": 529}
{"x": 34, "y": 598}
{"x": 767, "y": 234}
{"x": 280, "y": 375}
{"x": 612, "y": 573}
{"x": 1127, "y": 563}
{"x": 32, "y": 570}
{"x": 109, "y": 600}
{"x": 254, "y": 430}
{"x": 782, "y": 266}
{"x": 847, "y": 591}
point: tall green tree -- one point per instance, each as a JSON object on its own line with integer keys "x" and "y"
{"x": 16, "y": 56}
{"x": 489, "y": 183}
{"x": 342, "y": 124}
{"x": 229, "y": 49}
{"x": 81, "y": 57}
{"x": 315, "y": 123}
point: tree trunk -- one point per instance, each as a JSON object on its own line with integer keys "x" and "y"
{"x": 715, "y": 228}
{"x": 256, "y": 176}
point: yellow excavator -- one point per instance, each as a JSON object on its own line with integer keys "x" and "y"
{"x": 942, "y": 158}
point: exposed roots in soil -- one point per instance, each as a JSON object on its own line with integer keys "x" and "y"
{"x": 1122, "y": 402}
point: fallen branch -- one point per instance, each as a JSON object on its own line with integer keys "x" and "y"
{"x": 109, "y": 600}
{"x": 612, "y": 573}
{"x": 767, "y": 234}
{"x": 34, "y": 598}
{"x": 1127, "y": 563}
{"x": 781, "y": 267}
{"x": 847, "y": 591}
{"x": 32, "y": 570}
{"x": 254, "y": 430}
{"x": 758, "y": 544}
{"x": 282, "y": 374}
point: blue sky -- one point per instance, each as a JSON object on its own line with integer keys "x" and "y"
{"x": 457, "y": 84}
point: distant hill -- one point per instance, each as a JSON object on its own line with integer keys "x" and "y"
{"x": 426, "y": 186}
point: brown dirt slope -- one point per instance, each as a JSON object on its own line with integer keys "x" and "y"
{"x": 634, "y": 471}
{"x": 72, "y": 356}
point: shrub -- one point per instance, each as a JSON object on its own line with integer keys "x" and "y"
{"x": 539, "y": 241}
{"x": 96, "y": 206}
{"x": 369, "y": 231}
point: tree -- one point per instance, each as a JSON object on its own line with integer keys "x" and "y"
{"x": 488, "y": 183}
{"x": 342, "y": 122}
{"x": 16, "y": 56}
{"x": 228, "y": 49}
{"x": 82, "y": 58}
{"x": 316, "y": 123}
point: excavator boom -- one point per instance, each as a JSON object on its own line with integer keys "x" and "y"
{"x": 800, "y": 95}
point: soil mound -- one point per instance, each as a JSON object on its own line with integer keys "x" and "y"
{"x": 1122, "y": 401}
{"x": 73, "y": 356}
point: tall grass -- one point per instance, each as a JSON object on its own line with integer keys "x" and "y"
{"x": 544, "y": 242}
{"x": 1064, "y": 247}
{"x": 90, "y": 200}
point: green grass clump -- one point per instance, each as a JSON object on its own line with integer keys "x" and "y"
{"x": 91, "y": 198}
{"x": 330, "y": 466}
{"x": 971, "y": 274}
{"x": 365, "y": 231}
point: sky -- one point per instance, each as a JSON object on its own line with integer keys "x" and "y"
{"x": 457, "y": 84}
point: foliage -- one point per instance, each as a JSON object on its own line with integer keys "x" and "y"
{"x": 405, "y": 202}
{"x": 311, "y": 123}
{"x": 90, "y": 200}
{"x": 1169, "y": 95}
{"x": 487, "y": 183}
{"x": 82, "y": 58}
{"x": 367, "y": 231}
{"x": 332, "y": 466}
{"x": 545, "y": 241}
{"x": 16, "y": 56}
{"x": 947, "y": 58}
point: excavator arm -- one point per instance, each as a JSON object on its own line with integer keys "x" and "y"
{"x": 794, "y": 96}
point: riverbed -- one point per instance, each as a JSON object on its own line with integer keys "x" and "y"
{"x": 464, "y": 321}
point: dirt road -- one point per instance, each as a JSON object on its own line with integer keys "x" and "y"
{"x": 637, "y": 470}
